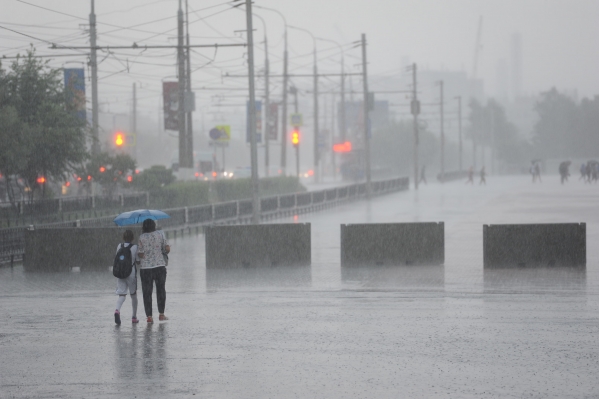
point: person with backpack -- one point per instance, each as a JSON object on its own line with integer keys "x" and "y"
{"x": 153, "y": 251}
{"x": 125, "y": 271}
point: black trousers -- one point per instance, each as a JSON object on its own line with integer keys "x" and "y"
{"x": 148, "y": 277}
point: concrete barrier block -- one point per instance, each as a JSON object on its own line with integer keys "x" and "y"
{"x": 392, "y": 244}
{"x": 59, "y": 249}
{"x": 530, "y": 245}
{"x": 264, "y": 245}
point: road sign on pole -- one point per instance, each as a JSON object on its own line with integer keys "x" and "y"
{"x": 297, "y": 120}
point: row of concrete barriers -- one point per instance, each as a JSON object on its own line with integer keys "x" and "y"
{"x": 362, "y": 245}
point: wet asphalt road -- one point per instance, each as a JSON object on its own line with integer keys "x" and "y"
{"x": 453, "y": 331}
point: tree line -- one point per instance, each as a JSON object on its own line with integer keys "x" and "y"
{"x": 42, "y": 137}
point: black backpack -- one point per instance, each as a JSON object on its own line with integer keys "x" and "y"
{"x": 123, "y": 262}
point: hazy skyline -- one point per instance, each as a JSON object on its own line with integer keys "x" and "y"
{"x": 559, "y": 40}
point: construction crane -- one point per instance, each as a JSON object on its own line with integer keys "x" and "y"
{"x": 477, "y": 47}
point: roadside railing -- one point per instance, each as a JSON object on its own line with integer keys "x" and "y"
{"x": 49, "y": 210}
{"x": 12, "y": 242}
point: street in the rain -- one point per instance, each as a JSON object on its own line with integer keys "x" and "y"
{"x": 389, "y": 332}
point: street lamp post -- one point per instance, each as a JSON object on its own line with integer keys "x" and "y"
{"x": 285, "y": 88}
{"x": 459, "y": 98}
{"x": 266, "y": 100}
{"x": 342, "y": 125}
{"x": 316, "y": 133}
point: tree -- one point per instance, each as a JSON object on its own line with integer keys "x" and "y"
{"x": 108, "y": 170}
{"x": 490, "y": 127}
{"x": 154, "y": 179}
{"x": 393, "y": 147}
{"x": 45, "y": 136}
{"x": 556, "y": 134}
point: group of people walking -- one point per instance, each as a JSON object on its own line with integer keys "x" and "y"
{"x": 151, "y": 255}
{"x": 589, "y": 171}
{"x": 482, "y": 174}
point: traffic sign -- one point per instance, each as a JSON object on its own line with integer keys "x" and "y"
{"x": 297, "y": 120}
{"x": 221, "y": 133}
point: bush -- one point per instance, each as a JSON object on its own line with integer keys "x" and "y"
{"x": 154, "y": 179}
{"x": 181, "y": 194}
{"x": 233, "y": 190}
{"x": 190, "y": 193}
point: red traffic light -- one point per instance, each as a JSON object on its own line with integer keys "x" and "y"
{"x": 102, "y": 169}
{"x": 342, "y": 147}
{"x": 41, "y": 180}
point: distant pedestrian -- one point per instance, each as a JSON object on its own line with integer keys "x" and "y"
{"x": 153, "y": 247}
{"x": 423, "y": 175}
{"x": 537, "y": 171}
{"x": 583, "y": 171}
{"x": 564, "y": 171}
{"x": 595, "y": 172}
{"x": 588, "y": 172}
{"x": 470, "y": 175}
{"x": 128, "y": 283}
{"x": 482, "y": 176}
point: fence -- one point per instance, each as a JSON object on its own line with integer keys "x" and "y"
{"x": 12, "y": 241}
{"x": 51, "y": 210}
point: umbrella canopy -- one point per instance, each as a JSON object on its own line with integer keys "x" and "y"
{"x": 138, "y": 216}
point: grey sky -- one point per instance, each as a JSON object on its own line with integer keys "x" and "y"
{"x": 559, "y": 38}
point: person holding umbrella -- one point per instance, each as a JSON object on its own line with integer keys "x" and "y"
{"x": 152, "y": 250}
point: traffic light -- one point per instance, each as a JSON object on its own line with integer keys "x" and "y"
{"x": 295, "y": 137}
{"x": 119, "y": 139}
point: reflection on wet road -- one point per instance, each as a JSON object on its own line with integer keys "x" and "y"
{"x": 411, "y": 331}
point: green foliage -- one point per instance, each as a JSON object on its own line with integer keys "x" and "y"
{"x": 565, "y": 128}
{"x": 44, "y": 135}
{"x": 232, "y": 190}
{"x": 153, "y": 179}
{"x": 489, "y": 125}
{"x": 180, "y": 194}
{"x": 394, "y": 147}
{"x": 108, "y": 170}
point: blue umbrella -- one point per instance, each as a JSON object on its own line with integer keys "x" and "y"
{"x": 138, "y": 216}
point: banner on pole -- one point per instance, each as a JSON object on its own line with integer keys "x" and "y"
{"x": 272, "y": 127}
{"x": 170, "y": 95}
{"x": 258, "y": 122}
{"x": 74, "y": 83}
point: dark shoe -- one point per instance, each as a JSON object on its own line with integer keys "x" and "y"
{"x": 117, "y": 317}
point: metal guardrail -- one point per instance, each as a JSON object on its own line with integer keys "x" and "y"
{"x": 12, "y": 241}
{"x": 48, "y": 207}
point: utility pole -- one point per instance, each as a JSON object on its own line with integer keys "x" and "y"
{"x": 189, "y": 114}
{"x": 267, "y": 108}
{"x": 94, "y": 69}
{"x": 293, "y": 91}
{"x": 366, "y": 117}
{"x": 492, "y": 140}
{"x": 183, "y": 161}
{"x": 459, "y": 98}
{"x": 316, "y": 132}
{"x": 442, "y": 134}
{"x": 134, "y": 122}
{"x": 252, "y": 116}
{"x": 415, "y": 111}
{"x": 284, "y": 116}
